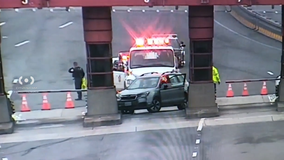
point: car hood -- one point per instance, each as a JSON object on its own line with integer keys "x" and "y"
{"x": 139, "y": 71}
{"x": 135, "y": 91}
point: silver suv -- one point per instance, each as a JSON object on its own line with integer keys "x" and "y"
{"x": 152, "y": 91}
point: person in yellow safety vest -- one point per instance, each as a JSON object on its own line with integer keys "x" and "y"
{"x": 216, "y": 77}
{"x": 84, "y": 83}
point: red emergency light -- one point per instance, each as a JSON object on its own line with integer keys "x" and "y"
{"x": 152, "y": 41}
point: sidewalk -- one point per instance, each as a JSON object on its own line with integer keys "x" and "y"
{"x": 76, "y": 114}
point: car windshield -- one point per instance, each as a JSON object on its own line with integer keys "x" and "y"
{"x": 152, "y": 58}
{"x": 142, "y": 83}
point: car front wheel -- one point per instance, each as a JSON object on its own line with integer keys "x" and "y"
{"x": 155, "y": 106}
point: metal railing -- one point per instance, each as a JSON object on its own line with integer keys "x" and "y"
{"x": 252, "y": 80}
{"x": 245, "y": 89}
{"x": 52, "y": 91}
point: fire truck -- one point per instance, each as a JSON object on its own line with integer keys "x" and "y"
{"x": 178, "y": 46}
{"x": 148, "y": 55}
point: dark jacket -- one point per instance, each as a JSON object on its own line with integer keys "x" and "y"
{"x": 77, "y": 72}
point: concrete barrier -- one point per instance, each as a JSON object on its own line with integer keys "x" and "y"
{"x": 257, "y": 22}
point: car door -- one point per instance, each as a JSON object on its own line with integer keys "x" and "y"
{"x": 182, "y": 81}
{"x": 172, "y": 95}
{"x": 165, "y": 94}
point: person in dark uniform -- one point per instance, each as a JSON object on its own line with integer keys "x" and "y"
{"x": 78, "y": 74}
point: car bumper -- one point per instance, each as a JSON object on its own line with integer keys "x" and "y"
{"x": 133, "y": 104}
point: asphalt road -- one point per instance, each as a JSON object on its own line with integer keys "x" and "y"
{"x": 267, "y": 11}
{"x": 261, "y": 140}
{"x": 155, "y": 145}
{"x": 244, "y": 141}
{"x": 239, "y": 53}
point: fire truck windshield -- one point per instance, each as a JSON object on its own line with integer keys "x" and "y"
{"x": 174, "y": 43}
{"x": 151, "y": 58}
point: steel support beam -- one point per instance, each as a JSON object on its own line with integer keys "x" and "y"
{"x": 280, "y": 102}
{"x": 6, "y": 122}
{"x": 102, "y": 103}
{"x": 201, "y": 97}
{"x": 109, "y": 3}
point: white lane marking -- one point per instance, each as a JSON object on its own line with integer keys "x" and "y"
{"x": 194, "y": 154}
{"x": 65, "y": 25}
{"x": 5, "y": 159}
{"x": 50, "y": 126}
{"x": 2, "y": 23}
{"x": 4, "y": 37}
{"x": 270, "y": 73}
{"x": 236, "y": 33}
{"x": 197, "y": 141}
{"x": 200, "y": 125}
{"x": 21, "y": 43}
{"x": 15, "y": 81}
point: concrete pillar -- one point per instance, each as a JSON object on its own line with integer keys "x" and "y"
{"x": 102, "y": 104}
{"x": 6, "y": 122}
{"x": 201, "y": 96}
{"x": 280, "y": 103}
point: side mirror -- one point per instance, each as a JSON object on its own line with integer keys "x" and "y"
{"x": 164, "y": 86}
{"x": 182, "y": 44}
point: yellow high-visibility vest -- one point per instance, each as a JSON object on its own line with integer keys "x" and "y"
{"x": 215, "y": 74}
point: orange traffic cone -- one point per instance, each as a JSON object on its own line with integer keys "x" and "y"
{"x": 24, "y": 106}
{"x": 245, "y": 91}
{"x": 264, "y": 89}
{"x": 69, "y": 102}
{"x": 45, "y": 103}
{"x": 230, "y": 92}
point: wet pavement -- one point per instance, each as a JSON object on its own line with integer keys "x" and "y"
{"x": 244, "y": 141}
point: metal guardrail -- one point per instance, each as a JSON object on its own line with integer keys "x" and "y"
{"x": 51, "y": 91}
{"x": 252, "y": 80}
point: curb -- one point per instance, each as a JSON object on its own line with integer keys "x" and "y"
{"x": 257, "y": 22}
{"x": 37, "y": 123}
{"x": 247, "y": 106}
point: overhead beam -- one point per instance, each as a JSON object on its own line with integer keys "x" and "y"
{"x": 86, "y": 3}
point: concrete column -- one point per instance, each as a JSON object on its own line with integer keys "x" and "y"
{"x": 201, "y": 97}
{"x": 6, "y": 122}
{"x": 280, "y": 103}
{"x": 102, "y": 104}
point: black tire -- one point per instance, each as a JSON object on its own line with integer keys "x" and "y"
{"x": 184, "y": 104}
{"x": 156, "y": 106}
{"x": 277, "y": 90}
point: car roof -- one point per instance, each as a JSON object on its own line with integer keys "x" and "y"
{"x": 156, "y": 74}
